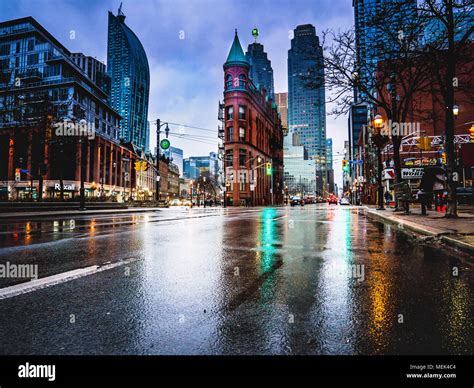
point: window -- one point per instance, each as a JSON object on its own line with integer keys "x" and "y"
{"x": 32, "y": 59}
{"x": 229, "y": 158}
{"x": 228, "y": 81}
{"x": 242, "y": 157}
{"x": 230, "y": 113}
{"x": 242, "y": 109}
{"x": 5, "y": 49}
{"x": 230, "y": 134}
{"x": 4, "y": 63}
{"x": 242, "y": 180}
{"x": 31, "y": 45}
{"x": 242, "y": 81}
{"x": 241, "y": 133}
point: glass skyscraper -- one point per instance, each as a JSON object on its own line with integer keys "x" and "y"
{"x": 306, "y": 106}
{"x": 261, "y": 72}
{"x": 371, "y": 40}
{"x": 127, "y": 66}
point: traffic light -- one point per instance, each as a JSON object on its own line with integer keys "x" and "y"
{"x": 268, "y": 168}
{"x": 17, "y": 175}
{"x": 345, "y": 165}
{"x": 145, "y": 166}
{"x": 443, "y": 157}
{"x": 138, "y": 166}
{"x": 471, "y": 134}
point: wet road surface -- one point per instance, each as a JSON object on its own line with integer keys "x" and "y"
{"x": 311, "y": 280}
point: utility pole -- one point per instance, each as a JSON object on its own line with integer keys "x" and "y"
{"x": 82, "y": 205}
{"x": 158, "y": 126}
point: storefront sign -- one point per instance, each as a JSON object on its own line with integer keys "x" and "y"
{"x": 412, "y": 173}
{"x": 67, "y": 187}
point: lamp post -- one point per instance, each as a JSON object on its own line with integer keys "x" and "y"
{"x": 379, "y": 141}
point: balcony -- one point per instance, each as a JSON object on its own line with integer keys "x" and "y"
{"x": 31, "y": 76}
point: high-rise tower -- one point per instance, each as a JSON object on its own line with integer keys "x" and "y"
{"x": 127, "y": 66}
{"x": 306, "y": 105}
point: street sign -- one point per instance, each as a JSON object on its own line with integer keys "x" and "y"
{"x": 165, "y": 144}
{"x": 252, "y": 187}
{"x": 412, "y": 173}
{"x": 126, "y": 159}
{"x": 388, "y": 173}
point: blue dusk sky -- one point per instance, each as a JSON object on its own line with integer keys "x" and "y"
{"x": 186, "y": 74}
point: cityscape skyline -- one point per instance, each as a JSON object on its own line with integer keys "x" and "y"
{"x": 185, "y": 73}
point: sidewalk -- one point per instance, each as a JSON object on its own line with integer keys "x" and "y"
{"x": 458, "y": 233}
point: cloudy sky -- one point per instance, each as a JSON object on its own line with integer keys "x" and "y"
{"x": 186, "y": 74}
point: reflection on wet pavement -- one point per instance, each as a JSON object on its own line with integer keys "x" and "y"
{"x": 312, "y": 280}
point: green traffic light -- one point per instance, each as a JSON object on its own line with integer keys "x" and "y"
{"x": 165, "y": 144}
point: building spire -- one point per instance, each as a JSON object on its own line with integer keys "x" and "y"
{"x": 236, "y": 54}
{"x": 120, "y": 14}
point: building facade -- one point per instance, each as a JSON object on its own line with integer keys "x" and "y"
{"x": 261, "y": 71}
{"x": 300, "y": 171}
{"x": 253, "y": 137}
{"x": 176, "y": 156}
{"x": 53, "y": 119}
{"x": 127, "y": 66}
{"x": 370, "y": 38}
{"x": 197, "y": 166}
{"x": 281, "y": 99}
{"x": 329, "y": 167}
{"x": 306, "y": 106}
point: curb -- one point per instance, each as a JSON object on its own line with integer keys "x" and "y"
{"x": 65, "y": 213}
{"x": 404, "y": 225}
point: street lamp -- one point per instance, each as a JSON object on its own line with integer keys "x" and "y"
{"x": 378, "y": 121}
{"x": 455, "y": 111}
{"x": 379, "y": 141}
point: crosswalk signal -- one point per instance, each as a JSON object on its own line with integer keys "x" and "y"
{"x": 268, "y": 167}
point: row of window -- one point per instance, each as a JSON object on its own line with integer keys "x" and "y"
{"x": 5, "y": 49}
{"x": 237, "y": 82}
{"x": 230, "y": 112}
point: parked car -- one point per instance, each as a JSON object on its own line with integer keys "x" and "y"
{"x": 296, "y": 200}
{"x": 344, "y": 201}
{"x": 332, "y": 199}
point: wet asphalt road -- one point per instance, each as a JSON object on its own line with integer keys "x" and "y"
{"x": 311, "y": 280}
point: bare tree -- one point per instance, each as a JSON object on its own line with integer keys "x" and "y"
{"x": 449, "y": 51}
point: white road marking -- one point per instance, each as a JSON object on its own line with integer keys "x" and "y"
{"x": 38, "y": 284}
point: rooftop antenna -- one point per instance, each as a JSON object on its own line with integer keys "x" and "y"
{"x": 120, "y": 9}
{"x": 255, "y": 33}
